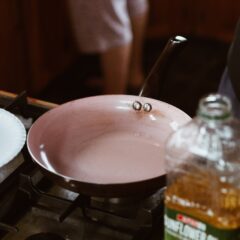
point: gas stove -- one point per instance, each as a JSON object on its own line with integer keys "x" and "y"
{"x": 35, "y": 208}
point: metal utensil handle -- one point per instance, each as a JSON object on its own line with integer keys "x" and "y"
{"x": 171, "y": 45}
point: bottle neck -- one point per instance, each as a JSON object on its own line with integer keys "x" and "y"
{"x": 214, "y": 108}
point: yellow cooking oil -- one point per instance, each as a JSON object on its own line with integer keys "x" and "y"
{"x": 202, "y": 198}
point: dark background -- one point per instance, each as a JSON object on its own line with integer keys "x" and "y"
{"x": 193, "y": 72}
{"x": 38, "y": 52}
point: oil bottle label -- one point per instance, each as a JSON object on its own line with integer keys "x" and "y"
{"x": 180, "y": 226}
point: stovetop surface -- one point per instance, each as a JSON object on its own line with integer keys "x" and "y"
{"x": 42, "y": 214}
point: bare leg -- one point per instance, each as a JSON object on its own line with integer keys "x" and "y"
{"x": 115, "y": 65}
{"x": 136, "y": 76}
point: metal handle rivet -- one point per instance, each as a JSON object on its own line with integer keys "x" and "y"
{"x": 147, "y": 107}
{"x": 137, "y": 106}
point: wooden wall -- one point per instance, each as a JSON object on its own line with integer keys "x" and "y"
{"x": 12, "y": 55}
{"x": 214, "y": 19}
{"x": 48, "y": 40}
{"x": 36, "y": 42}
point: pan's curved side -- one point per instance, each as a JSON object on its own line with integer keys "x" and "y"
{"x": 58, "y": 142}
{"x": 122, "y": 190}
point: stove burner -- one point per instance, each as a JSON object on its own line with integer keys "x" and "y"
{"x": 45, "y": 236}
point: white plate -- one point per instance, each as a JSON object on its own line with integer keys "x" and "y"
{"x": 12, "y": 136}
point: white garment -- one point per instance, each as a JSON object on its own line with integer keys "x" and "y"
{"x": 102, "y": 24}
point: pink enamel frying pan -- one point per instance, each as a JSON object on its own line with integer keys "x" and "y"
{"x": 107, "y": 145}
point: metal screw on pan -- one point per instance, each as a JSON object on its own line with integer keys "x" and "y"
{"x": 137, "y": 106}
{"x": 147, "y": 107}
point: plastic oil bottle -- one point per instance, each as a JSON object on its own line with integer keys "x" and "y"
{"x": 202, "y": 198}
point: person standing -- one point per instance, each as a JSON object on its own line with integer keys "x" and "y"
{"x": 115, "y": 30}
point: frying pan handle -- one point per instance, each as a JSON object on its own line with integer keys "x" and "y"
{"x": 172, "y": 44}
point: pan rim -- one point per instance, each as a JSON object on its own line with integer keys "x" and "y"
{"x": 92, "y": 98}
